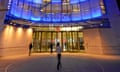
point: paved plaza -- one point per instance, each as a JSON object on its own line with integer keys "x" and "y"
{"x": 71, "y": 62}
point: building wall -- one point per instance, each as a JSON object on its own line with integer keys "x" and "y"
{"x": 101, "y": 41}
{"x": 14, "y": 41}
{"x": 3, "y": 5}
{"x": 92, "y": 41}
{"x": 108, "y": 39}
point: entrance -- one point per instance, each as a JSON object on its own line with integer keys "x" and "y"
{"x": 70, "y": 41}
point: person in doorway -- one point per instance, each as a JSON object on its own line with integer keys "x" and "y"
{"x": 58, "y": 50}
{"x": 30, "y": 48}
{"x": 51, "y": 47}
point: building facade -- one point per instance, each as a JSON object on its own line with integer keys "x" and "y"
{"x": 15, "y": 40}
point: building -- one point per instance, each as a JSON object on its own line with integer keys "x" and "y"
{"x": 92, "y": 26}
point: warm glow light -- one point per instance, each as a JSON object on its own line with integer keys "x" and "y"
{"x": 76, "y": 10}
{"x": 19, "y": 32}
{"x": 29, "y": 31}
{"x": 7, "y": 28}
{"x": 10, "y": 30}
{"x": 72, "y": 28}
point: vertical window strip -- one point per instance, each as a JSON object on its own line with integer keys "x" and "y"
{"x": 100, "y": 6}
{"x": 60, "y": 13}
{"x": 90, "y": 8}
{"x": 23, "y": 3}
{"x": 51, "y": 12}
{"x": 71, "y": 12}
{"x": 10, "y": 4}
{"x": 80, "y": 9}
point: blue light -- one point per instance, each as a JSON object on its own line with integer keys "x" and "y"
{"x": 96, "y": 13}
{"x": 35, "y": 19}
{"x": 47, "y": 18}
{"x": 26, "y": 15}
{"x": 56, "y": 1}
{"x": 36, "y": 1}
{"x": 65, "y": 17}
{"x": 76, "y": 1}
{"x": 86, "y": 16}
{"x": 34, "y": 14}
{"x": 76, "y": 16}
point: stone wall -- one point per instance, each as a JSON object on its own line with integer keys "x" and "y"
{"x": 14, "y": 41}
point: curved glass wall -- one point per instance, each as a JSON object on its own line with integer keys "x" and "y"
{"x": 55, "y": 11}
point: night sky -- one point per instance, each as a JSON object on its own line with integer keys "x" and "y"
{"x": 118, "y": 2}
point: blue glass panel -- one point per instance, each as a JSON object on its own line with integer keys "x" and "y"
{"x": 24, "y": 9}
{"x": 56, "y": 17}
{"x": 65, "y": 17}
{"x": 76, "y": 16}
{"x": 35, "y": 1}
{"x": 86, "y": 15}
{"x": 16, "y": 11}
{"x": 56, "y": 1}
{"x": 26, "y": 15}
{"x": 96, "y": 13}
{"x": 46, "y": 18}
{"x": 76, "y": 1}
{"x": 35, "y": 19}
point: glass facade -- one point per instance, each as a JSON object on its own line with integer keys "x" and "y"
{"x": 70, "y": 41}
{"x": 56, "y": 11}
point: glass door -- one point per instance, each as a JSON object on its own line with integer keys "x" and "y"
{"x": 70, "y": 41}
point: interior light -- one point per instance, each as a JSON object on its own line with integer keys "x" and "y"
{"x": 72, "y": 28}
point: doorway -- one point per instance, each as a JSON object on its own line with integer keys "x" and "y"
{"x": 70, "y": 41}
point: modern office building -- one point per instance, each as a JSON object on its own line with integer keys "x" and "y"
{"x": 91, "y": 26}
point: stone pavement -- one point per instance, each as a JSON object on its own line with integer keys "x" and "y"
{"x": 71, "y": 62}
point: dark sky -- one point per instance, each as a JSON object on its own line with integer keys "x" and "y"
{"x": 118, "y": 2}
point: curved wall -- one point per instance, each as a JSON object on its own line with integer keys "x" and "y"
{"x": 55, "y": 11}
{"x": 105, "y": 41}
